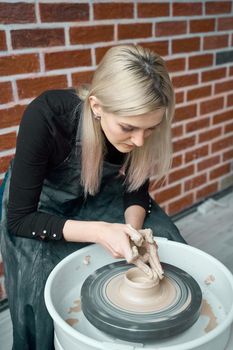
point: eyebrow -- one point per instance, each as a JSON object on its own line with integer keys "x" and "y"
{"x": 136, "y": 127}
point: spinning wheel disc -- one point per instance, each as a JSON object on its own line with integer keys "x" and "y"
{"x": 106, "y": 313}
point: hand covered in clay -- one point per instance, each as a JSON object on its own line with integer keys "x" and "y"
{"x": 145, "y": 252}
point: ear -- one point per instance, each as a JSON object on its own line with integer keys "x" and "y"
{"x": 95, "y": 105}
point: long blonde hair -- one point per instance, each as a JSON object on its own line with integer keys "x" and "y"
{"x": 130, "y": 80}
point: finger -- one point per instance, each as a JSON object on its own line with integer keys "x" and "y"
{"x": 154, "y": 261}
{"x": 152, "y": 249}
{"x": 147, "y": 235}
{"x": 134, "y": 235}
{"x": 145, "y": 268}
{"x": 134, "y": 255}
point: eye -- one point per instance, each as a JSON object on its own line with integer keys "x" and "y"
{"x": 126, "y": 128}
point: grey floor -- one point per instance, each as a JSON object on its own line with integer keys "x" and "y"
{"x": 209, "y": 228}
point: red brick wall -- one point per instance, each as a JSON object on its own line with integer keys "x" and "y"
{"x": 55, "y": 45}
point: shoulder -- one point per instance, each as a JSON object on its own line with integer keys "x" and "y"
{"x": 51, "y": 108}
{"x": 59, "y": 101}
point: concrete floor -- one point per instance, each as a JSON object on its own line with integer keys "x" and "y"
{"x": 210, "y": 228}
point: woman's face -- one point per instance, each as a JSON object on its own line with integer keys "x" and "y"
{"x": 126, "y": 133}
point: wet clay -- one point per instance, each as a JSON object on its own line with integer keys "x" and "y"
{"x": 209, "y": 280}
{"x": 134, "y": 291}
{"x": 87, "y": 260}
{"x": 72, "y": 321}
{"x": 76, "y": 308}
{"x": 206, "y": 310}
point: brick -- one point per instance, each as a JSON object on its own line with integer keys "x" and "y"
{"x": 113, "y": 10}
{"x": 7, "y": 141}
{"x": 215, "y": 42}
{"x": 17, "y": 13}
{"x": 228, "y": 155}
{"x": 5, "y": 92}
{"x": 180, "y": 204}
{"x": 223, "y": 117}
{"x": 2, "y": 40}
{"x": 181, "y": 173}
{"x": 202, "y": 25}
{"x": 170, "y": 28}
{"x": 209, "y": 134}
{"x": 200, "y": 92}
{"x": 200, "y": 61}
{"x": 2, "y": 292}
{"x": 231, "y": 71}
{"x": 11, "y": 116}
{"x": 197, "y": 125}
{"x": 207, "y": 191}
{"x": 177, "y": 130}
{"x": 213, "y": 8}
{"x": 208, "y": 163}
{"x": 1, "y": 269}
{"x": 176, "y": 64}
{"x": 67, "y": 59}
{"x": 179, "y": 97}
{"x": 213, "y": 74}
{"x": 185, "y": 80}
{"x": 24, "y": 38}
{"x": 160, "y": 47}
{"x": 64, "y": 12}
{"x": 220, "y": 171}
{"x": 186, "y": 45}
{"x": 100, "y": 52}
{"x": 228, "y": 128}
{"x": 211, "y": 105}
{"x": 4, "y": 164}
{"x": 196, "y": 153}
{"x": 19, "y": 64}
{"x": 223, "y": 87}
{"x": 168, "y": 193}
{"x": 186, "y": 112}
{"x": 91, "y": 34}
{"x": 187, "y": 9}
{"x": 153, "y": 10}
{"x": 221, "y": 144}
{"x": 177, "y": 161}
{"x": 135, "y": 30}
{"x": 225, "y": 23}
{"x": 82, "y": 78}
{"x": 33, "y": 87}
{"x": 183, "y": 144}
{"x": 196, "y": 181}
{"x": 230, "y": 100}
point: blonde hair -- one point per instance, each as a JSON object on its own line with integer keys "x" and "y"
{"x": 130, "y": 80}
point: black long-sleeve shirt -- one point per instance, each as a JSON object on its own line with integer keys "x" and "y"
{"x": 45, "y": 139}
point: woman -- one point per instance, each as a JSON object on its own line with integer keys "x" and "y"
{"x": 80, "y": 175}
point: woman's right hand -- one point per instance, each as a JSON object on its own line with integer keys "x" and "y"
{"x": 115, "y": 238}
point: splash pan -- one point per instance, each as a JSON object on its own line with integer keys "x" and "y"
{"x": 73, "y": 331}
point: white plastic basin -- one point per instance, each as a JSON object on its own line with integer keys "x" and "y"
{"x": 62, "y": 295}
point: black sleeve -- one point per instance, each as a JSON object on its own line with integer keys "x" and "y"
{"x": 140, "y": 197}
{"x": 33, "y": 150}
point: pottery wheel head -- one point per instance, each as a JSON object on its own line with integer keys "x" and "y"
{"x": 132, "y": 291}
{"x": 121, "y": 301}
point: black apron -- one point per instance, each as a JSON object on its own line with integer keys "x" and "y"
{"x": 28, "y": 262}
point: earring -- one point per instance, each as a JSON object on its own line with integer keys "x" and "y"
{"x": 97, "y": 117}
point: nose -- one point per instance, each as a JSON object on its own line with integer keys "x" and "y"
{"x": 137, "y": 138}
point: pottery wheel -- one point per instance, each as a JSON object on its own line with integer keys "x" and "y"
{"x": 108, "y": 304}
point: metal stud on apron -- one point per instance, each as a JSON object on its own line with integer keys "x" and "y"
{"x": 28, "y": 262}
